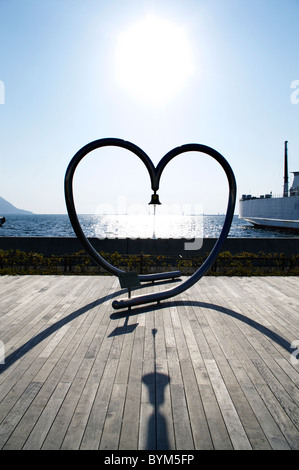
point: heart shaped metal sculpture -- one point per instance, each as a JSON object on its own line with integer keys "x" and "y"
{"x": 155, "y": 175}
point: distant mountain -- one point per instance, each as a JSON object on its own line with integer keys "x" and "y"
{"x": 7, "y": 208}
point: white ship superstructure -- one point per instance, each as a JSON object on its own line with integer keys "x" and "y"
{"x": 274, "y": 212}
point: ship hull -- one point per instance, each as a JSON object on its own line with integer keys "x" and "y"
{"x": 273, "y": 213}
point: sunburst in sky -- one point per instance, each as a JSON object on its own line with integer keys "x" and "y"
{"x": 153, "y": 60}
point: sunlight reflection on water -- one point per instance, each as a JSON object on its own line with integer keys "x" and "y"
{"x": 133, "y": 226}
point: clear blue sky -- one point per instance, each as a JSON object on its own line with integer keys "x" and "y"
{"x": 60, "y": 90}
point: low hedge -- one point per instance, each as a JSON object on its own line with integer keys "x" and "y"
{"x": 242, "y": 264}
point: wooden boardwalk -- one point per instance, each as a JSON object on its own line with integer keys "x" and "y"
{"x": 213, "y": 368}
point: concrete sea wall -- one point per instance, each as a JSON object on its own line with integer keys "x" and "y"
{"x": 173, "y": 247}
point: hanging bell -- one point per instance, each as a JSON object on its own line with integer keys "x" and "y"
{"x": 155, "y": 199}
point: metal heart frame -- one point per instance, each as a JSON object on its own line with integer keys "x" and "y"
{"x": 155, "y": 175}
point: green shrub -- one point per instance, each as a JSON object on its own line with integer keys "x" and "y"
{"x": 241, "y": 264}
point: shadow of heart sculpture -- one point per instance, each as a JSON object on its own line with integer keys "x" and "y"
{"x": 155, "y": 175}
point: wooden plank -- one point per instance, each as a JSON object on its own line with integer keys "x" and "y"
{"x": 181, "y": 423}
{"x": 203, "y": 336}
{"x": 129, "y": 436}
{"x": 96, "y": 420}
{"x": 235, "y": 429}
{"x": 209, "y": 369}
{"x": 76, "y": 428}
{"x": 113, "y": 421}
{"x": 181, "y": 420}
{"x": 64, "y": 416}
{"x": 27, "y": 352}
{"x": 243, "y": 350}
{"x": 47, "y": 370}
{"x": 147, "y": 436}
{"x": 14, "y": 416}
{"x": 200, "y": 430}
{"x": 40, "y": 430}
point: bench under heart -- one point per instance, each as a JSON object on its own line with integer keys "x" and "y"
{"x": 155, "y": 175}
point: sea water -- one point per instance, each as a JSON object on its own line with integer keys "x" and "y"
{"x": 134, "y": 226}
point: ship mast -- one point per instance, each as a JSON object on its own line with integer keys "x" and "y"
{"x": 286, "y": 178}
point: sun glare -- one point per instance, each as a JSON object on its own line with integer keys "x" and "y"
{"x": 153, "y": 60}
